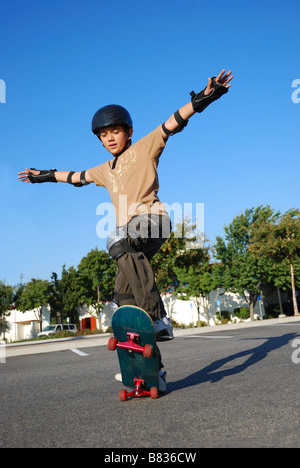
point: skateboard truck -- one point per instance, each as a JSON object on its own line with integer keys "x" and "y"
{"x": 132, "y": 344}
{"x": 138, "y": 391}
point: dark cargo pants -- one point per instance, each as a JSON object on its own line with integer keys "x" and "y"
{"x": 135, "y": 282}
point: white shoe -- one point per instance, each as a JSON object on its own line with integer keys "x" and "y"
{"x": 118, "y": 377}
{"x": 163, "y": 329}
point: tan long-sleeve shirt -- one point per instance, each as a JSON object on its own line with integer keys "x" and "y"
{"x": 133, "y": 183}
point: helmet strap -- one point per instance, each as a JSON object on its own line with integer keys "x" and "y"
{"x": 128, "y": 144}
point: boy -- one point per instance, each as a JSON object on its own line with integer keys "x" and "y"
{"x": 143, "y": 224}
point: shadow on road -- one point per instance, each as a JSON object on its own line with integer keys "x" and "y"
{"x": 212, "y": 374}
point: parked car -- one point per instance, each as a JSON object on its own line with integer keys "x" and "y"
{"x": 52, "y": 329}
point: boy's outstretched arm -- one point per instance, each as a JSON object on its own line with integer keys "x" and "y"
{"x": 34, "y": 176}
{"x": 216, "y": 87}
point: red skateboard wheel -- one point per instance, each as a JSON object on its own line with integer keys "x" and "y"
{"x": 147, "y": 353}
{"x": 153, "y": 393}
{"x": 112, "y": 343}
{"x": 123, "y": 395}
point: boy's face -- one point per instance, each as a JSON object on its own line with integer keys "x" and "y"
{"x": 114, "y": 138}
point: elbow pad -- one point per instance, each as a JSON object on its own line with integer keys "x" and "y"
{"x": 181, "y": 125}
{"x": 200, "y": 101}
{"x": 44, "y": 176}
{"x": 82, "y": 179}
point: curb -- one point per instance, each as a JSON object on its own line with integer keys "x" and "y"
{"x": 237, "y": 326}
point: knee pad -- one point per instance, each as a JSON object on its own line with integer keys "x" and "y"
{"x": 117, "y": 244}
{"x": 119, "y": 248}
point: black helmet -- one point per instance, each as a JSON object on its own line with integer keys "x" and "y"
{"x": 111, "y": 115}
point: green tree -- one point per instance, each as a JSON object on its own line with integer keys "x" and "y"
{"x": 70, "y": 291}
{"x": 66, "y": 294}
{"x": 34, "y": 296}
{"x": 163, "y": 262}
{"x": 188, "y": 268}
{"x": 56, "y": 299}
{"x": 194, "y": 271}
{"x": 6, "y": 301}
{"x": 181, "y": 240}
{"x": 279, "y": 240}
{"x": 239, "y": 270}
{"x": 97, "y": 273}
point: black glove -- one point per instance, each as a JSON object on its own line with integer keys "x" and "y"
{"x": 44, "y": 176}
{"x": 200, "y": 101}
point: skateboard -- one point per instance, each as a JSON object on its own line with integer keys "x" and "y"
{"x": 135, "y": 342}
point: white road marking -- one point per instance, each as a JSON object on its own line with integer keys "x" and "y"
{"x": 80, "y": 353}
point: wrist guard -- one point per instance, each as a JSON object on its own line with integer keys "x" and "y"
{"x": 200, "y": 101}
{"x": 181, "y": 124}
{"x": 44, "y": 176}
{"x": 82, "y": 179}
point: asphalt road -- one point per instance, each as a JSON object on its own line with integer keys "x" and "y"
{"x": 234, "y": 388}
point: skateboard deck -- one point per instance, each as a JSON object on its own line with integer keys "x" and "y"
{"x": 134, "y": 339}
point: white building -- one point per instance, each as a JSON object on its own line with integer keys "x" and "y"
{"x": 22, "y": 326}
{"x": 183, "y": 312}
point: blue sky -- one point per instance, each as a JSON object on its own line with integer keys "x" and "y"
{"x": 61, "y": 60}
